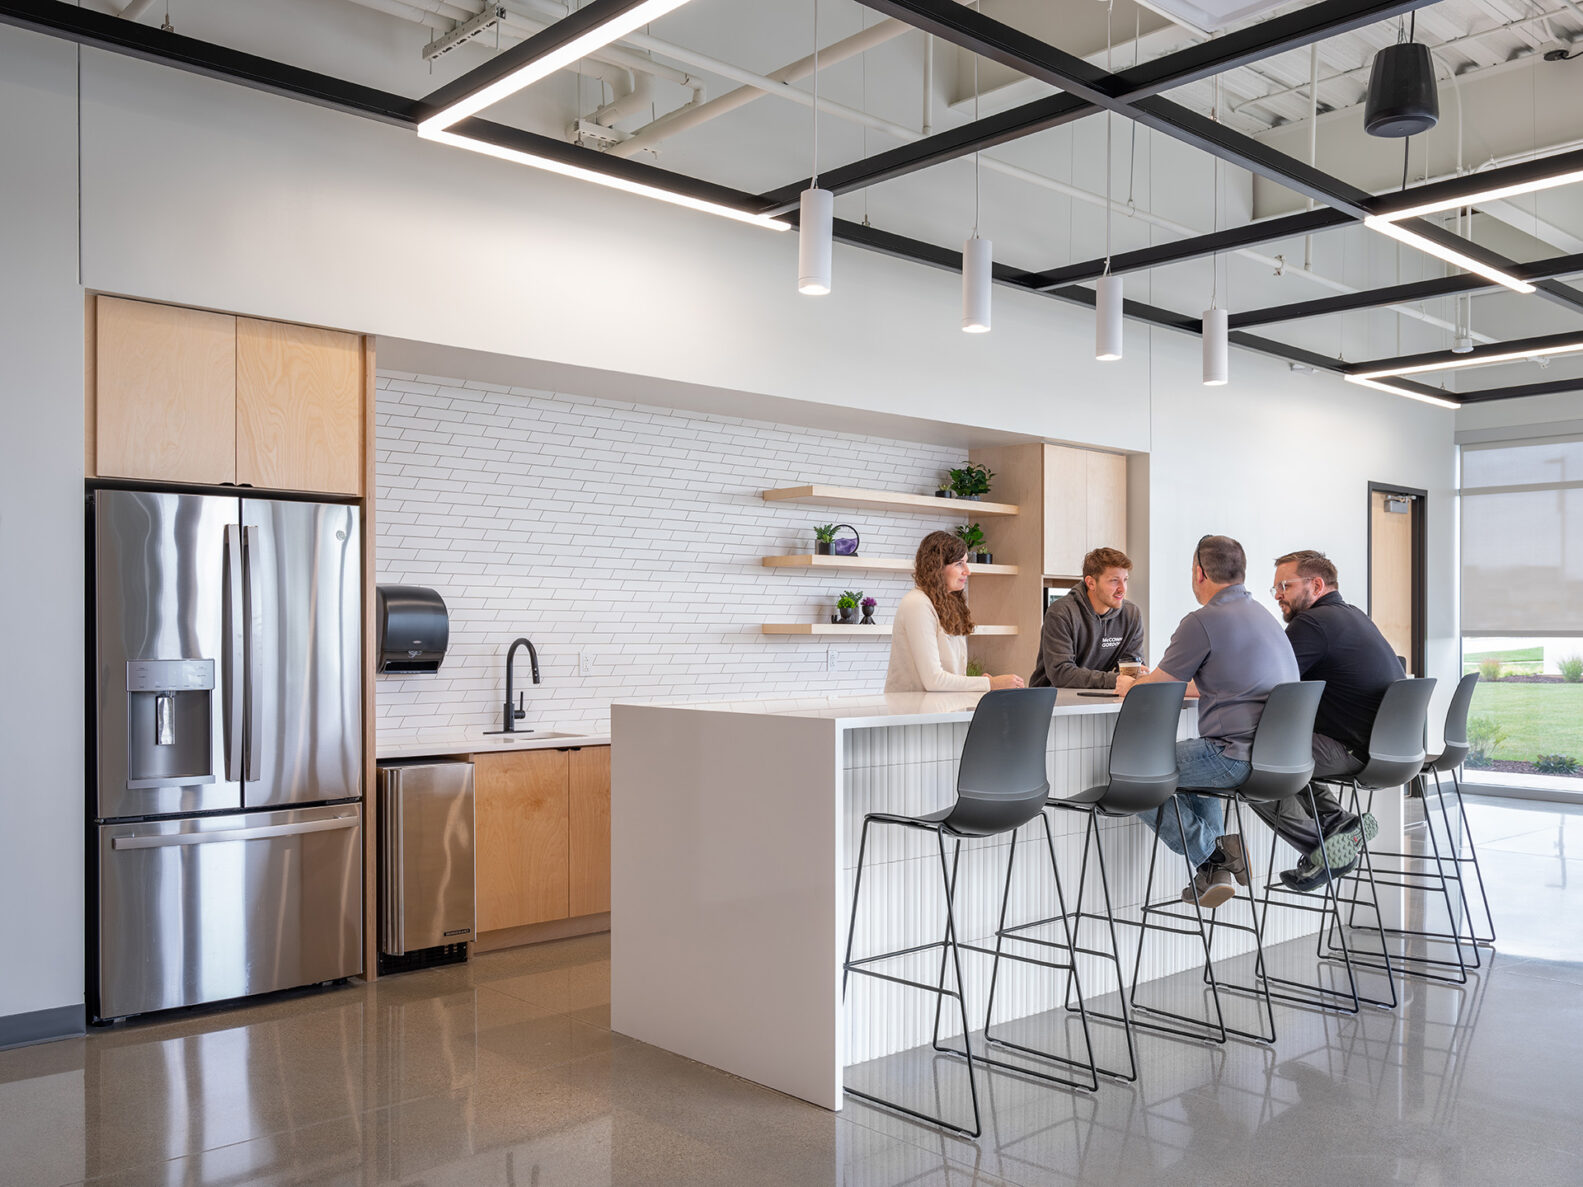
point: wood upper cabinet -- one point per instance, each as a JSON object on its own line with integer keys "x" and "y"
{"x": 182, "y": 395}
{"x": 590, "y": 830}
{"x": 299, "y": 400}
{"x": 1085, "y": 506}
{"x": 164, "y": 393}
{"x": 523, "y": 837}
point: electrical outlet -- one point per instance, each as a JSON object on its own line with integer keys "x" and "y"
{"x": 585, "y": 663}
{"x": 832, "y": 660}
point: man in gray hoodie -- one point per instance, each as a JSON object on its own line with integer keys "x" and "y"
{"x": 1090, "y": 632}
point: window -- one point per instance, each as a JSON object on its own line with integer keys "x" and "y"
{"x": 1522, "y": 608}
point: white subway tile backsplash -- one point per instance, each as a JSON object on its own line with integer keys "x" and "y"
{"x": 627, "y": 531}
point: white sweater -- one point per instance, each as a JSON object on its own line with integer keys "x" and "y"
{"x": 923, "y": 658}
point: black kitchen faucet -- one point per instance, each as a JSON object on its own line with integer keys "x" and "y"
{"x": 514, "y": 714}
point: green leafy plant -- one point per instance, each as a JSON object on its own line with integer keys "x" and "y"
{"x": 1556, "y": 764}
{"x": 849, "y": 600}
{"x": 972, "y": 479}
{"x": 972, "y": 535}
{"x": 974, "y": 668}
{"x": 1484, "y": 735}
{"x": 1571, "y": 667}
{"x": 1490, "y": 669}
{"x": 824, "y": 533}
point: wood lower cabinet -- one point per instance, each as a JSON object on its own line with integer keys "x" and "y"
{"x": 165, "y": 393}
{"x": 590, "y": 832}
{"x": 299, "y": 398}
{"x": 522, "y": 835}
{"x": 543, "y": 835}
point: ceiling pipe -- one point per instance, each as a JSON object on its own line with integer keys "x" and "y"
{"x": 757, "y": 86}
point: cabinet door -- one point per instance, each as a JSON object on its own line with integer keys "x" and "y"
{"x": 165, "y": 393}
{"x": 590, "y": 849}
{"x": 521, "y": 837}
{"x": 1107, "y": 500}
{"x": 299, "y": 400}
{"x": 1065, "y": 510}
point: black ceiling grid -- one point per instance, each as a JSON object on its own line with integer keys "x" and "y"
{"x": 1133, "y": 93}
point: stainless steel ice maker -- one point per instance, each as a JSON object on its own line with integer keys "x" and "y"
{"x": 426, "y": 855}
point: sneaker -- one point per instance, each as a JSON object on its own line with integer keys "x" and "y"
{"x": 1342, "y": 846}
{"x": 1308, "y": 876}
{"x": 1236, "y": 863}
{"x": 1213, "y": 886}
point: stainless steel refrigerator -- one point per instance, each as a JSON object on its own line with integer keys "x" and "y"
{"x": 225, "y": 797}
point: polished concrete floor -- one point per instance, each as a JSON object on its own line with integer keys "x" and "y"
{"x": 505, "y": 1071}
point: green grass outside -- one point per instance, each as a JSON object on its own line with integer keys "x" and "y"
{"x": 1538, "y": 718}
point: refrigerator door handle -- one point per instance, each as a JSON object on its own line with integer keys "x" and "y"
{"x": 235, "y": 615}
{"x": 255, "y": 631}
{"x": 263, "y": 832}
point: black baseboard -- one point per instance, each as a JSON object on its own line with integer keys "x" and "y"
{"x": 41, "y": 1026}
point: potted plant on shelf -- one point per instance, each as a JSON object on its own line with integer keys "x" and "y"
{"x": 822, "y": 537}
{"x": 847, "y": 604}
{"x": 943, "y": 491}
{"x": 973, "y": 536}
{"x": 971, "y": 481}
{"x": 868, "y": 605}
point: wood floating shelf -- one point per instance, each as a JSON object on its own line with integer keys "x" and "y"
{"x": 893, "y": 564}
{"x": 881, "y": 500}
{"x": 835, "y": 628}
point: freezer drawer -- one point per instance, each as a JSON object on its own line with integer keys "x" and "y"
{"x": 426, "y": 855}
{"x": 206, "y": 909}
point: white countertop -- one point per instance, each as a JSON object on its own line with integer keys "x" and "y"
{"x": 441, "y": 742}
{"x": 860, "y": 712}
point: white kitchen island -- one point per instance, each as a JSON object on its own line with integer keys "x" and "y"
{"x": 734, "y": 837}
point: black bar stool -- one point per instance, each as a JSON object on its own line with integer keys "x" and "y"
{"x": 1142, "y": 778}
{"x": 1001, "y": 785}
{"x": 1396, "y": 757}
{"x": 1281, "y": 766}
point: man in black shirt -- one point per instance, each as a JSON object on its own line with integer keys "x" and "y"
{"x": 1336, "y": 643}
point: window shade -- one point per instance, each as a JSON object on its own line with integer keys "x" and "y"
{"x": 1522, "y": 538}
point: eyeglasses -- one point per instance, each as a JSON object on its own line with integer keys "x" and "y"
{"x": 1279, "y": 587}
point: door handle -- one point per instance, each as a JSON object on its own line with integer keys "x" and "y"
{"x": 235, "y": 614}
{"x": 261, "y": 833}
{"x": 254, "y": 645}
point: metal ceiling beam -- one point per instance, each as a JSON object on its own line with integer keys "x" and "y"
{"x": 1266, "y": 230}
{"x": 1404, "y": 294}
{"x": 99, "y": 30}
{"x": 1313, "y": 22}
{"x": 1521, "y": 390}
{"x": 1482, "y": 182}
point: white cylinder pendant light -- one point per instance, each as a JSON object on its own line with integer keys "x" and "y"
{"x": 1107, "y": 321}
{"x": 1216, "y": 350}
{"x": 815, "y": 226}
{"x": 978, "y": 257}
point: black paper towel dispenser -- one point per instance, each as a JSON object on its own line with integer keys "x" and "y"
{"x": 414, "y": 628}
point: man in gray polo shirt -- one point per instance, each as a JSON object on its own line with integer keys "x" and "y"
{"x": 1232, "y": 651}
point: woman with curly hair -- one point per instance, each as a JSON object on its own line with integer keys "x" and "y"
{"x": 928, "y": 647}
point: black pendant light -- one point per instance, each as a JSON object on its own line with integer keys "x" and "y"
{"x": 1403, "y": 99}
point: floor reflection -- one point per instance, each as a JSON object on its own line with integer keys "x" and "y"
{"x": 505, "y": 1071}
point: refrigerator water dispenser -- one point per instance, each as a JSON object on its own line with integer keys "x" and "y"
{"x": 167, "y": 722}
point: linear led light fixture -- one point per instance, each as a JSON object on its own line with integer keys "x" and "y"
{"x": 606, "y": 21}
{"x": 566, "y": 169}
{"x": 592, "y": 26}
{"x": 1386, "y": 224}
{"x": 1422, "y": 397}
{"x": 1458, "y": 362}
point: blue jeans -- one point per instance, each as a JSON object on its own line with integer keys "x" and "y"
{"x": 1199, "y": 763}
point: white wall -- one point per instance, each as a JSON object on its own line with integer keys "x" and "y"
{"x": 202, "y": 193}
{"x": 630, "y": 534}
{"x": 41, "y": 530}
